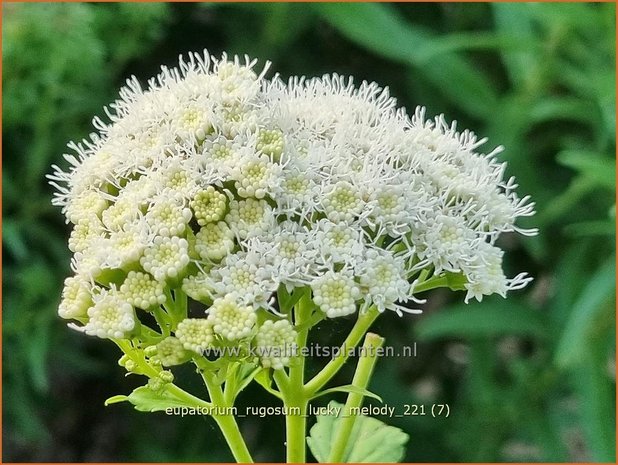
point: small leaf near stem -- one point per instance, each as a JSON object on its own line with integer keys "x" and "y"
{"x": 136, "y": 355}
{"x": 347, "y": 388}
{"x": 364, "y": 370}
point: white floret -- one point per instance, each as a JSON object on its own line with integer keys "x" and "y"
{"x": 168, "y": 217}
{"x": 84, "y": 233}
{"x": 109, "y": 317}
{"x": 166, "y": 258}
{"x": 170, "y": 351}
{"x": 197, "y": 287}
{"x": 383, "y": 279}
{"x": 256, "y": 176}
{"x": 271, "y": 143}
{"x": 275, "y": 344}
{"x": 142, "y": 291}
{"x": 124, "y": 211}
{"x": 247, "y": 276}
{"x": 195, "y": 334}
{"x": 335, "y": 293}
{"x": 342, "y": 202}
{"x": 250, "y": 217}
{"x": 76, "y": 298}
{"x": 88, "y": 202}
{"x": 124, "y": 247}
{"x": 485, "y": 275}
{"x": 231, "y": 319}
{"x": 214, "y": 241}
{"x": 339, "y": 243}
{"x": 209, "y": 206}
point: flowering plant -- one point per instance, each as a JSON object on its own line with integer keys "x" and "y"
{"x": 219, "y": 216}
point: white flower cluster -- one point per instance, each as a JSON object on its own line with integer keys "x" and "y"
{"x": 227, "y": 185}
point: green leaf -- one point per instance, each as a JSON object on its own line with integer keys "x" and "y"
{"x": 145, "y": 399}
{"x": 37, "y": 354}
{"x": 13, "y": 239}
{"x": 596, "y": 392}
{"x": 348, "y": 388}
{"x": 370, "y": 440}
{"x": 515, "y": 21}
{"x": 461, "y": 41}
{"x": 380, "y": 29}
{"x": 591, "y": 228}
{"x": 286, "y": 300}
{"x": 574, "y": 340}
{"x": 562, "y": 108}
{"x": 489, "y": 319}
{"x": 264, "y": 379}
{"x": 593, "y": 165}
{"x": 247, "y": 373}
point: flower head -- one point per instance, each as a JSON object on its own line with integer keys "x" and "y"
{"x": 217, "y": 183}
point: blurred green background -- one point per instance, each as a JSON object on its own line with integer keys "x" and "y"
{"x": 531, "y": 378}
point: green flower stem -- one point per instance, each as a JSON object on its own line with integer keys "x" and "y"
{"x": 227, "y": 423}
{"x": 362, "y": 375}
{"x": 362, "y": 325}
{"x": 163, "y": 320}
{"x": 451, "y": 280}
{"x": 293, "y": 390}
{"x": 176, "y": 306}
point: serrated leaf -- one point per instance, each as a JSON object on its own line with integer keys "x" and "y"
{"x": 495, "y": 318}
{"x": 145, "y": 399}
{"x": 348, "y": 388}
{"x": 371, "y": 440}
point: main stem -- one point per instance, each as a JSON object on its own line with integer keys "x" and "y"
{"x": 296, "y": 394}
{"x": 235, "y": 441}
{"x": 364, "y": 369}
{"x": 227, "y": 422}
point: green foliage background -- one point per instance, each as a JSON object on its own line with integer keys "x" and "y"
{"x": 531, "y": 378}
